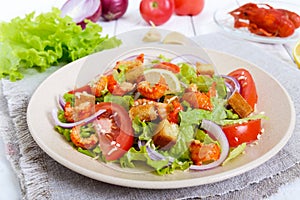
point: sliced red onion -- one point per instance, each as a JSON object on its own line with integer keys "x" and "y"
{"x": 230, "y": 79}
{"x": 154, "y": 155}
{"x": 188, "y": 58}
{"x": 79, "y": 10}
{"x": 217, "y": 133}
{"x": 229, "y": 89}
{"x": 71, "y": 125}
{"x": 61, "y": 101}
{"x": 140, "y": 143}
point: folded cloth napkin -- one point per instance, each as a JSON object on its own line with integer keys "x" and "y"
{"x": 41, "y": 177}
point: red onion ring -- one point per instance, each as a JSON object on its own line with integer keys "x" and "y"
{"x": 61, "y": 101}
{"x": 188, "y": 58}
{"x": 154, "y": 155}
{"x": 215, "y": 132}
{"x": 236, "y": 86}
{"x": 71, "y": 125}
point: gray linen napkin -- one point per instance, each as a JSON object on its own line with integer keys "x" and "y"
{"x": 41, "y": 177}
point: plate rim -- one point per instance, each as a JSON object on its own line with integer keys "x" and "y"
{"x": 174, "y": 183}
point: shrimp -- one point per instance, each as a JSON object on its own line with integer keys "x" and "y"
{"x": 131, "y": 64}
{"x": 84, "y": 142}
{"x": 145, "y": 112}
{"x": 84, "y": 106}
{"x": 175, "y": 107}
{"x": 74, "y": 114}
{"x": 196, "y": 98}
{"x": 155, "y": 92}
{"x": 119, "y": 89}
{"x": 204, "y": 153}
{"x": 99, "y": 86}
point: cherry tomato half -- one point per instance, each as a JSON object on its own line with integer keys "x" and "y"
{"x": 248, "y": 88}
{"x": 240, "y": 133}
{"x": 188, "y": 7}
{"x": 116, "y": 133}
{"x": 156, "y": 11}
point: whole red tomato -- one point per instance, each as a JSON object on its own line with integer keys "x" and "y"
{"x": 156, "y": 12}
{"x": 188, "y": 7}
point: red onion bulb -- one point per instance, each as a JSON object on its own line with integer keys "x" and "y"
{"x": 113, "y": 9}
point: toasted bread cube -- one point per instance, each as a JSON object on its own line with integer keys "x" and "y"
{"x": 145, "y": 112}
{"x": 133, "y": 74}
{"x": 205, "y": 69}
{"x": 83, "y": 98}
{"x": 166, "y": 134}
{"x": 240, "y": 105}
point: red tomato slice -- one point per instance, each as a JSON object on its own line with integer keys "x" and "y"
{"x": 240, "y": 133}
{"x": 248, "y": 88}
{"x": 115, "y": 133}
{"x": 168, "y": 66}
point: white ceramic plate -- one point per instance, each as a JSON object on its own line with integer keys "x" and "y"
{"x": 44, "y": 99}
{"x": 226, "y": 22}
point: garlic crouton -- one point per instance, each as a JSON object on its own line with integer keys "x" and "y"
{"x": 166, "y": 135}
{"x": 240, "y": 105}
{"x": 205, "y": 69}
{"x": 145, "y": 112}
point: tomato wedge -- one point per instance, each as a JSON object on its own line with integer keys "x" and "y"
{"x": 248, "y": 88}
{"x": 240, "y": 133}
{"x": 114, "y": 130}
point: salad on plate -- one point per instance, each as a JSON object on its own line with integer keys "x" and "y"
{"x": 166, "y": 113}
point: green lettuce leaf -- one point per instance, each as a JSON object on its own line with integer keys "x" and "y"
{"x": 176, "y": 165}
{"x": 241, "y": 120}
{"x": 189, "y": 75}
{"x": 141, "y": 155}
{"x": 180, "y": 149}
{"x": 45, "y": 40}
{"x": 144, "y": 130}
{"x": 235, "y": 152}
{"x": 161, "y": 167}
{"x": 195, "y": 116}
{"x": 125, "y": 101}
